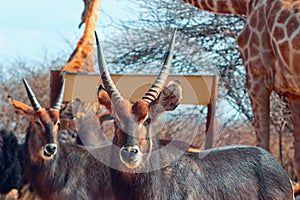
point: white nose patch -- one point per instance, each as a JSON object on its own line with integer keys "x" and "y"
{"x": 131, "y": 156}
{"x": 49, "y": 150}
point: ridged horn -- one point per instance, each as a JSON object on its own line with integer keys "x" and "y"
{"x": 60, "y": 96}
{"x": 106, "y": 79}
{"x": 161, "y": 79}
{"x": 33, "y": 100}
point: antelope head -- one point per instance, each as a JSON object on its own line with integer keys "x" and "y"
{"x": 134, "y": 137}
{"x": 44, "y": 124}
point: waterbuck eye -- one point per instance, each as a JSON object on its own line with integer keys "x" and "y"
{"x": 147, "y": 121}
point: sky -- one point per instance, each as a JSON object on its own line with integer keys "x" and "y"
{"x": 31, "y": 28}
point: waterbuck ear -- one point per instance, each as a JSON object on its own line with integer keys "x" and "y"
{"x": 21, "y": 108}
{"x": 168, "y": 99}
{"x": 104, "y": 99}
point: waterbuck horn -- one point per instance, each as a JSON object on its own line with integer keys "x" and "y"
{"x": 60, "y": 96}
{"x": 161, "y": 79}
{"x": 34, "y": 102}
{"x": 109, "y": 85}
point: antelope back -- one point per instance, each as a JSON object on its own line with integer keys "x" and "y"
{"x": 134, "y": 136}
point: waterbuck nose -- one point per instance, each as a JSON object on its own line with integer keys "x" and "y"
{"x": 51, "y": 148}
{"x": 129, "y": 151}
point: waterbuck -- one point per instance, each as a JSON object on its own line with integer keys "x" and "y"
{"x": 10, "y": 166}
{"x": 58, "y": 170}
{"x": 142, "y": 169}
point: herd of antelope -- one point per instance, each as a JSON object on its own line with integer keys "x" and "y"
{"x": 136, "y": 169}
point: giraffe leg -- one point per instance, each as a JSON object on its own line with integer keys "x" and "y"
{"x": 260, "y": 103}
{"x": 294, "y": 103}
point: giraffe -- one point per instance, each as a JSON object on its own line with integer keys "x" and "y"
{"x": 270, "y": 48}
{"x": 82, "y": 59}
{"x": 84, "y": 14}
